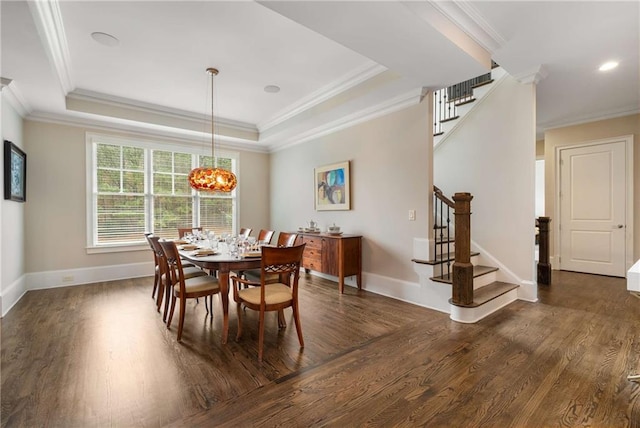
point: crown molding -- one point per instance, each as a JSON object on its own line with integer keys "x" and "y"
{"x": 48, "y": 21}
{"x": 400, "y": 102}
{"x": 13, "y": 95}
{"x": 346, "y": 82}
{"x": 85, "y": 120}
{"x": 534, "y": 75}
{"x": 119, "y": 102}
{"x": 578, "y": 120}
{"x": 464, "y": 15}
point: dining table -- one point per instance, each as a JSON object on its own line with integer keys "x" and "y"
{"x": 223, "y": 263}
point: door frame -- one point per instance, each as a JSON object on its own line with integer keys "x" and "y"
{"x": 628, "y": 140}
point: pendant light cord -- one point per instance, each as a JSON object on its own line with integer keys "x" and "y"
{"x": 212, "y": 72}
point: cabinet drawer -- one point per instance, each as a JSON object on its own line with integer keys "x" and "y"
{"x": 313, "y": 242}
{"x": 312, "y": 263}
{"x": 312, "y": 252}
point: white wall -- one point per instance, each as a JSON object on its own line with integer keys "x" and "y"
{"x": 493, "y": 157}
{"x": 12, "y": 214}
{"x": 390, "y": 174}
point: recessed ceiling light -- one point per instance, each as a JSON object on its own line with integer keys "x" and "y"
{"x": 272, "y": 89}
{"x": 105, "y": 39}
{"x": 608, "y": 66}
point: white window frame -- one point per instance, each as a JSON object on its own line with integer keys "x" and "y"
{"x": 92, "y": 139}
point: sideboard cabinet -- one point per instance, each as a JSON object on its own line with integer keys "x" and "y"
{"x": 337, "y": 255}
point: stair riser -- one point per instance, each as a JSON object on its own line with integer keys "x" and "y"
{"x": 472, "y": 315}
{"x": 483, "y": 280}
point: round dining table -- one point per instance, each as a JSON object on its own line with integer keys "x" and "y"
{"x": 223, "y": 263}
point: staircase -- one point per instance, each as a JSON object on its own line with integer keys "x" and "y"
{"x": 476, "y": 290}
{"x": 451, "y": 105}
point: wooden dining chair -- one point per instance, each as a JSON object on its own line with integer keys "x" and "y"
{"x": 156, "y": 262}
{"x": 165, "y": 284}
{"x": 285, "y": 262}
{"x": 265, "y": 235}
{"x": 184, "y": 230}
{"x": 184, "y": 288}
{"x": 285, "y": 239}
{"x": 245, "y": 232}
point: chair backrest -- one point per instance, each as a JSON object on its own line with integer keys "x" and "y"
{"x": 284, "y": 261}
{"x": 184, "y": 230}
{"x": 174, "y": 263}
{"x": 148, "y": 237}
{"x": 286, "y": 239}
{"x": 154, "y": 241}
{"x": 265, "y": 235}
{"x": 245, "y": 232}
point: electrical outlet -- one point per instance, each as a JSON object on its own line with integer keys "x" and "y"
{"x": 412, "y": 215}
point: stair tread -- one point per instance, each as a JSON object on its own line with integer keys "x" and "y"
{"x": 487, "y": 293}
{"x": 442, "y": 258}
{"x": 461, "y": 103}
{"x": 449, "y": 119}
{"x": 478, "y": 270}
{"x": 486, "y": 82}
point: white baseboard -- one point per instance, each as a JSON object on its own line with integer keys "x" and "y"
{"x": 409, "y": 292}
{"x": 13, "y": 294}
{"x": 528, "y": 291}
{"x": 427, "y": 293}
{"x": 69, "y": 277}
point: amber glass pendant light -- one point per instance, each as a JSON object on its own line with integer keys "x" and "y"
{"x": 211, "y": 179}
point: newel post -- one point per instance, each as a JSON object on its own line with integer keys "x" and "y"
{"x": 544, "y": 267}
{"x": 462, "y": 268}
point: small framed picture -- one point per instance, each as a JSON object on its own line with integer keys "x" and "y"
{"x": 332, "y": 187}
{"x": 15, "y": 173}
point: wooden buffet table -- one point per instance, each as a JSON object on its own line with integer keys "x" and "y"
{"x": 337, "y": 255}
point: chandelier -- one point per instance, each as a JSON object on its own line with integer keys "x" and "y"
{"x": 212, "y": 179}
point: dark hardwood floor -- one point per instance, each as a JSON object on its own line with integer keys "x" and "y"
{"x": 99, "y": 355}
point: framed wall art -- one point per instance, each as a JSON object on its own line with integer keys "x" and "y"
{"x": 332, "y": 187}
{"x": 15, "y": 173}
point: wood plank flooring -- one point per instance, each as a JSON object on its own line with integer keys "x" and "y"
{"x": 99, "y": 355}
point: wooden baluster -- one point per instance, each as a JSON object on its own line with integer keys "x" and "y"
{"x": 544, "y": 267}
{"x": 462, "y": 267}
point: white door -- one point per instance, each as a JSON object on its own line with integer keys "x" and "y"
{"x": 593, "y": 209}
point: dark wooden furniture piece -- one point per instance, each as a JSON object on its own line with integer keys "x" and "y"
{"x": 245, "y": 232}
{"x": 186, "y": 288}
{"x": 223, "y": 264}
{"x": 285, "y": 239}
{"x": 337, "y": 255}
{"x": 156, "y": 262}
{"x": 184, "y": 230}
{"x": 269, "y": 296}
{"x": 265, "y": 235}
{"x": 164, "y": 280}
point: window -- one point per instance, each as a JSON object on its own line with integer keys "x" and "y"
{"x": 137, "y": 187}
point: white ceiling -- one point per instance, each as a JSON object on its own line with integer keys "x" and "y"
{"x": 336, "y": 62}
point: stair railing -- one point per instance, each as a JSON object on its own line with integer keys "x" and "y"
{"x": 447, "y": 100}
{"x": 443, "y": 208}
{"x": 544, "y": 266}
